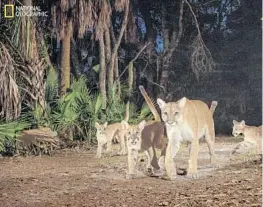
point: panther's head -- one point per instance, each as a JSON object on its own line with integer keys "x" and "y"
{"x": 101, "y": 128}
{"x": 172, "y": 112}
{"x": 238, "y": 128}
{"x": 133, "y": 134}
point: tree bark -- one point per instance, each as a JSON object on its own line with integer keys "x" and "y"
{"x": 102, "y": 77}
{"x": 107, "y": 45}
{"x": 117, "y": 81}
{"x": 170, "y": 44}
{"x": 33, "y": 51}
{"x": 116, "y": 46}
{"x": 28, "y": 44}
{"x": 65, "y": 59}
{"x": 35, "y": 68}
{"x": 75, "y": 64}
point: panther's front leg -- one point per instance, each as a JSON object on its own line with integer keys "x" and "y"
{"x": 149, "y": 155}
{"x": 132, "y": 163}
{"x": 123, "y": 148}
{"x": 99, "y": 150}
{"x": 171, "y": 151}
{"x": 192, "y": 163}
{"x": 109, "y": 146}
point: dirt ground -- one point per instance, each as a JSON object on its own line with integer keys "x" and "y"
{"x": 76, "y": 178}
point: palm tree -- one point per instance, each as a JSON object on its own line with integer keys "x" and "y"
{"x": 23, "y": 46}
{"x": 88, "y": 14}
{"x": 69, "y": 14}
{"x": 10, "y": 99}
{"x": 102, "y": 36}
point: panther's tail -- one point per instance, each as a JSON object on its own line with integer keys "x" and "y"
{"x": 213, "y": 107}
{"x": 150, "y": 104}
{"x": 127, "y": 113}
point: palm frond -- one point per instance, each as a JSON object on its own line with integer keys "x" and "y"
{"x": 10, "y": 104}
{"x": 10, "y": 130}
{"x": 51, "y": 87}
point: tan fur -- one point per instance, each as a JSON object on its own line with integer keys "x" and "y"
{"x": 116, "y": 139}
{"x": 127, "y": 113}
{"x": 144, "y": 137}
{"x": 213, "y": 107}
{"x": 150, "y": 138}
{"x": 150, "y": 104}
{"x": 251, "y": 134}
{"x": 187, "y": 120}
{"x": 156, "y": 129}
{"x": 106, "y": 133}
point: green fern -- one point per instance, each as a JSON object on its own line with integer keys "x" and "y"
{"x": 78, "y": 110}
{"x": 10, "y": 130}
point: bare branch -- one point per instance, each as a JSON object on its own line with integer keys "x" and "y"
{"x": 134, "y": 59}
{"x": 175, "y": 39}
{"x": 201, "y": 58}
{"x": 152, "y": 82}
{"x": 112, "y": 34}
{"x": 116, "y": 46}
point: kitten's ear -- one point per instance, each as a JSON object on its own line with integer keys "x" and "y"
{"x": 182, "y": 102}
{"x": 124, "y": 124}
{"x": 97, "y": 125}
{"x": 234, "y": 122}
{"x": 142, "y": 125}
{"x": 161, "y": 103}
{"x": 243, "y": 122}
{"x": 105, "y": 124}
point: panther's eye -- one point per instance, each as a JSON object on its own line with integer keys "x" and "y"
{"x": 165, "y": 113}
{"x": 176, "y": 113}
{"x": 129, "y": 133}
{"x": 137, "y": 133}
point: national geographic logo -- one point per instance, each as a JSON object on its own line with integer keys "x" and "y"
{"x": 11, "y": 11}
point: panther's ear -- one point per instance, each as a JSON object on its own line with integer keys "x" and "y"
{"x": 141, "y": 125}
{"x": 124, "y": 124}
{"x": 161, "y": 103}
{"x": 182, "y": 102}
{"x": 234, "y": 122}
{"x": 243, "y": 123}
{"x": 97, "y": 125}
{"x": 105, "y": 124}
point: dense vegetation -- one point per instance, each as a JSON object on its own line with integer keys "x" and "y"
{"x": 84, "y": 62}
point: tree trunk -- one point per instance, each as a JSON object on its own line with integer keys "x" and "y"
{"x": 117, "y": 80}
{"x": 109, "y": 73}
{"x": 33, "y": 51}
{"x": 107, "y": 46}
{"x": 117, "y": 44}
{"x": 75, "y": 64}
{"x": 131, "y": 78}
{"x": 34, "y": 69}
{"x": 171, "y": 41}
{"x": 65, "y": 59}
{"x": 28, "y": 44}
{"x": 23, "y": 33}
{"x": 102, "y": 73}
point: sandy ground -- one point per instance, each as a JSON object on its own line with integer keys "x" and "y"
{"x": 76, "y": 178}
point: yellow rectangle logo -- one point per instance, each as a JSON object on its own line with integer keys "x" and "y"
{"x": 9, "y": 11}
